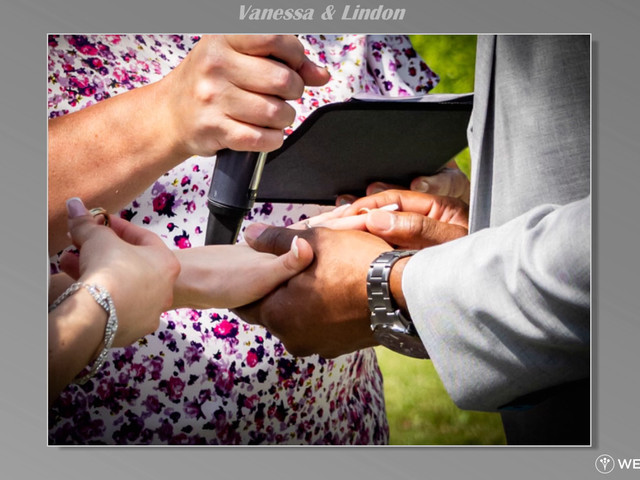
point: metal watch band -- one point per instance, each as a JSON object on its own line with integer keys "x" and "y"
{"x": 391, "y": 328}
{"x": 378, "y": 291}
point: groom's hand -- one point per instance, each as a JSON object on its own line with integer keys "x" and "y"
{"x": 324, "y": 309}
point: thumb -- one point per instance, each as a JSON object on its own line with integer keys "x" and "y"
{"x": 411, "y": 230}
{"x": 294, "y": 261}
{"x": 80, "y": 222}
{"x": 275, "y": 240}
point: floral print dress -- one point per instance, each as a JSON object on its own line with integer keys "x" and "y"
{"x": 206, "y": 377}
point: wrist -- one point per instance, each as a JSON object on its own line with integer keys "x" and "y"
{"x": 187, "y": 287}
{"x": 75, "y": 329}
{"x": 395, "y": 284}
{"x": 166, "y": 120}
{"x": 74, "y": 324}
{"x": 78, "y": 322}
{"x": 391, "y": 327}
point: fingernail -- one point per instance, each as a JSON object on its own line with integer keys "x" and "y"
{"x": 422, "y": 186}
{"x": 75, "y": 208}
{"x": 343, "y": 201}
{"x": 253, "y": 231}
{"x": 294, "y": 247}
{"x": 391, "y": 207}
{"x": 381, "y": 220}
{"x": 375, "y": 190}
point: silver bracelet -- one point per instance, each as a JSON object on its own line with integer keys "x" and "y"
{"x": 100, "y": 295}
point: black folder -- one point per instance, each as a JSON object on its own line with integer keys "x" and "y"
{"x": 342, "y": 147}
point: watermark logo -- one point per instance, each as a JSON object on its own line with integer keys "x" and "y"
{"x": 605, "y": 464}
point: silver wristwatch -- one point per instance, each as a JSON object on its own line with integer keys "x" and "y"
{"x": 390, "y": 327}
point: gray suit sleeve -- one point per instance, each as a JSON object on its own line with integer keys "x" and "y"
{"x": 505, "y": 311}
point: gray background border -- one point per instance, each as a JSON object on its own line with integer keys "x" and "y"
{"x": 616, "y": 172}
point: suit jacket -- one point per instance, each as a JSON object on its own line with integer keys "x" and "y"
{"x": 505, "y": 311}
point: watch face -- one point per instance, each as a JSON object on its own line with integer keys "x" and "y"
{"x": 401, "y": 342}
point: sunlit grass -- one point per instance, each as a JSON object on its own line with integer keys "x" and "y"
{"x": 420, "y": 411}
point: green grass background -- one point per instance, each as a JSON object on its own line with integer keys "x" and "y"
{"x": 419, "y": 409}
{"x": 452, "y": 57}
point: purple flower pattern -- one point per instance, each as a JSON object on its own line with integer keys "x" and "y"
{"x": 206, "y": 377}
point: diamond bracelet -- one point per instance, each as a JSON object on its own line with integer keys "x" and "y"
{"x": 100, "y": 295}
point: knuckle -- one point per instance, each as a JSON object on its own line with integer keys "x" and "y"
{"x": 297, "y": 88}
{"x": 271, "y": 42}
{"x": 429, "y": 232}
{"x": 287, "y": 83}
{"x": 416, "y": 225}
{"x": 213, "y": 60}
{"x": 394, "y": 195}
{"x": 272, "y": 142}
{"x": 427, "y": 226}
{"x": 205, "y": 91}
{"x": 255, "y": 140}
{"x": 282, "y": 79}
{"x": 280, "y": 240}
{"x": 245, "y": 139}
{"x": 288, "y": 115}
{"x": 270, "y": 240}
{"x": 278, "y": 114}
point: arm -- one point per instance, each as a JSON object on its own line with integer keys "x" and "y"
{"x": 108, "y": 153}
{"x": 228, "y": 276}
{"x": 324, "y": 309}
{"x": 76, "y": 330}
{"x": 132, "y": 264}
{"x": 505, "y": 311}
{"x": 226, "y": 93}
{"x": 502, "y": 312}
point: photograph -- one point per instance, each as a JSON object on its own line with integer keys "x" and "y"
{"x": 319, "y": 239}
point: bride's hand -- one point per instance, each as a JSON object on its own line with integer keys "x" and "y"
{"x": 229, "y": 276}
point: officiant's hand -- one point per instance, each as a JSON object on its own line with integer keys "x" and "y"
{"x": 448, "y": 182}
{"x": 230, "y": 92}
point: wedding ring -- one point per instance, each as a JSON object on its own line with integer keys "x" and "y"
{"x": 101, "y": 211}
{"x": 307, "y": 225}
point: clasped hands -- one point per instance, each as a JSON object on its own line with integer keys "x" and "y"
{"x": 324, "y": 308}
{"x": 310, "y": 282}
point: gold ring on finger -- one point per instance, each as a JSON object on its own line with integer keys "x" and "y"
{"x": 101, "y": 211}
